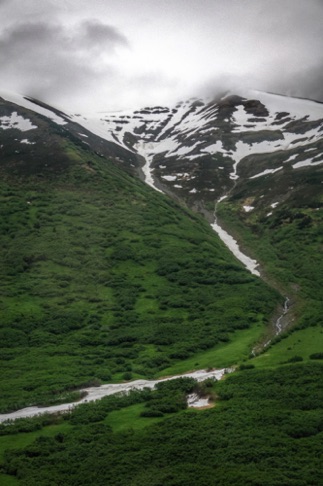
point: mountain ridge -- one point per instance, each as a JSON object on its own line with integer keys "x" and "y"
{"x": 202, "y": 152}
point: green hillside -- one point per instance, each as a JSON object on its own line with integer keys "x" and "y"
{"x": 104, "y": 279}
{"x": 287, "y": 237}
{"x": 266, "y": 428}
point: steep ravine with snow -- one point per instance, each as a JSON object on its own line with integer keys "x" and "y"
{"x": 145, "y": 150}
{"x": 233, "y": 246}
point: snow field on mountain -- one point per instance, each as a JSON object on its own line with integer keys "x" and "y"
{"x": 305, "y": 163}
{"x": 243, "y": 150}
{"x": 182, "y": 121}
{"x": 266, "y": 172}
{"x": 292, "y": 157}
{"x": 21, "y": 101}
{"x": 181, "y": 131}
{"x": 296, "y": 107}
{"x": 183, "y": 150}
{"x": 243, "y": 122}
{"x": 16, "y": 121}
{"x": 214, "y": 148}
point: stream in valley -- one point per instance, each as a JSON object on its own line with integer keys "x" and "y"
{"x": 96, "y": 393}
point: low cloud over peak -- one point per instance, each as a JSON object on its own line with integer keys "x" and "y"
{"x": 110, "y": 55}
{"x": 49, "y": 60}
{"x": 103, "y": 35}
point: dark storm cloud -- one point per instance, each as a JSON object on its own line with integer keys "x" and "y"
{"x": 24, "y": 38}
{"x": 41, "y": 58}
{"x": 58, "y": 50}
{"x": 40, "y": 35}
{"x": 96, "y": 33}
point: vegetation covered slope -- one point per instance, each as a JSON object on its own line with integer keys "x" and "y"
{"x": 103, "y": 278}
{"x": 286, "y": 236}
{"x": 266, "y": 428}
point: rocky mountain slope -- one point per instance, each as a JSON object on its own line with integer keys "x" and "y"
{"x": 200, "y": 149}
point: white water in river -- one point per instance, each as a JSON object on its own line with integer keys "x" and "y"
{"x": 96, "y": 393}
{"x": 278, "y": 323}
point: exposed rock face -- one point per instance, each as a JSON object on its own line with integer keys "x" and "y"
{"x": 258, "y": 145}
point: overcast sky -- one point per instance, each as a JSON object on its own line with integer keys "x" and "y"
{"x": 84, "y": 55}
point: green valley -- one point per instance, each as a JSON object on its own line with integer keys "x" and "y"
{"x": 106, "y": 280}
{"x": 103, "y": 279}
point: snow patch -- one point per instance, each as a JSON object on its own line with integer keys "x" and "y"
{"x": 21, "y": 101}
{"x": 296, "y": 107}
{"x": 144, "y": 149}
{"x": 233, "y": 246}
{"x": 16, "y": 121}
{"x": 214, "y": 148}
{"x": 265, "y": 172}
{"x": 169, "y": 178}
{"x": 305, "y": 163}
{"x": 292, "y": 157}
{"x": 195, "y": 401}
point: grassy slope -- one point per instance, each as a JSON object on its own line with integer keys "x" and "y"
{"x": 104, "y": 279}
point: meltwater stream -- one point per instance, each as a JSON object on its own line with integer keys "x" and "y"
{"x": 279, "y": 322}
{"x": 96, "y": 393}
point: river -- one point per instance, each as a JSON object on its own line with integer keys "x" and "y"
{"x": 96, "y": 393}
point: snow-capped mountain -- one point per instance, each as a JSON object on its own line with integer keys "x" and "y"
{"x": 201, "y": 149}
{"x": 207, "y": 145}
